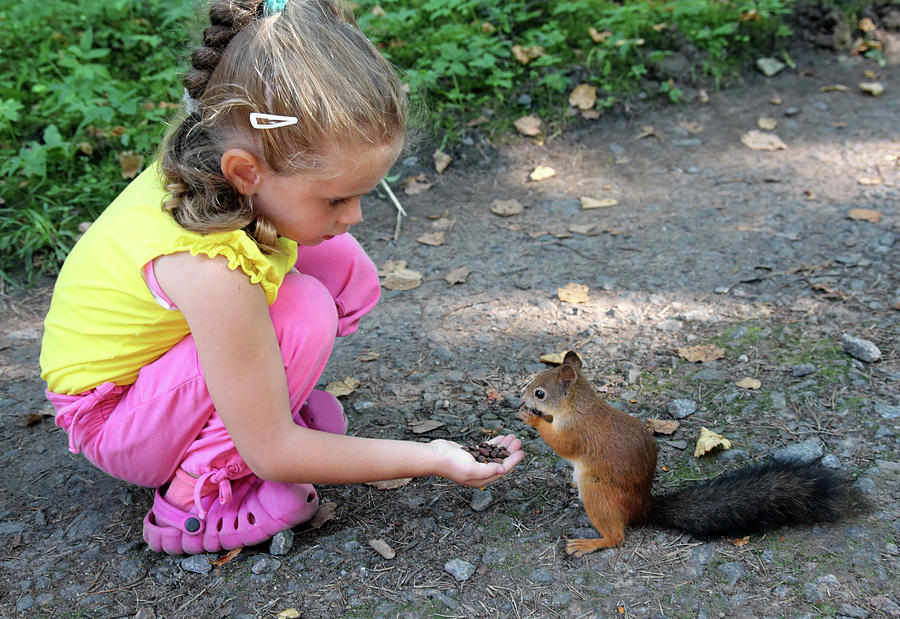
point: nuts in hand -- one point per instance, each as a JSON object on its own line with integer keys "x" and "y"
{"x": 485, "y": 452}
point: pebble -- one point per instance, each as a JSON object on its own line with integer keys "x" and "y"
{"x": 860, "y": 348}
{"x": 807, "y": 451}
{"x": 812, "y": 594}
{"x": 481, "y": 499}
{"x": 681, "y": 408}
{"x": 281, "y": 542}
{"x": 196, "y": 564}
{"x": 887, "y": 411}
{"x": 541, "y": 575}
{"x": 265, "y": 564}
{"x": 803, "y": 369}
{"x": 459, "y": 569}
{"x": 733, "y": 570}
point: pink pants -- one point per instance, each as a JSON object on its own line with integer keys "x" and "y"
{"x": 142, "y": 433}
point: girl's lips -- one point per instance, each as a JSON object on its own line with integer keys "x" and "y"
{"x": 328, "y": 237}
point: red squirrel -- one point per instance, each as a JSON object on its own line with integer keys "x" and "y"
{"x": 614, "y": 459}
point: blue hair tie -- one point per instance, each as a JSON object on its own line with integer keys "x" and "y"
{"x": 270, "y": 7}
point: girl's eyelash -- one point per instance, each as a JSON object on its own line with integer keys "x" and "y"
{"x": 337, "y": 202}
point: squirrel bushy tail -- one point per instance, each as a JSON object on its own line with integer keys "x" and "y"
{"x": 752, "y": 499}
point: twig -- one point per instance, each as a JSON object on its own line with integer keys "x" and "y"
{"x": 393, "y": 198}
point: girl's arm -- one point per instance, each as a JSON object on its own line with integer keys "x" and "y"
{"x": 242, "y": 363}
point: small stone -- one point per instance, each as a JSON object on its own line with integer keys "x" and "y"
{"x": 831, "y": 461}
{"x": 145, "y": 613}
{"x": 24, "y": 604}
{"x": 281, "y": 542}
{"x": 806, "y": 451}
{"x": 541, "y": 575}
{"x": 459, "y": 569}
{"x": 859, "y": 348}
{"x": 887, "y": 411}
{"x": 812, "y": 594}
{"x": 848, "y": 610}
{"x": 803, "y": 369}
{"x": 196, "y": 564}
{"x": 791, "y": 111}
{"x": 681, "y": 408}
{"x": 481, "y": 499}
{"x": 265, "y": 564}
{"x": 733, "y": 570}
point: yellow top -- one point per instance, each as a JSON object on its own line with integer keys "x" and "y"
{"x": 104, "y": 324}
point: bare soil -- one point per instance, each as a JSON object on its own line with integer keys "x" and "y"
{"x": 710, "y": 242}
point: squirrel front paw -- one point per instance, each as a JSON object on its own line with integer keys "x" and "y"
{"x": 525, "y": 414}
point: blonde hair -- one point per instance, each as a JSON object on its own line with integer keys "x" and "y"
{"x": 309, "y": 61}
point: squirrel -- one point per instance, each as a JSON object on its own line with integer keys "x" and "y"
{"x": 614, "y": 459}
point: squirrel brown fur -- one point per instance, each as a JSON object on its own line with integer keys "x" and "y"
{"x": 614, "y": 460}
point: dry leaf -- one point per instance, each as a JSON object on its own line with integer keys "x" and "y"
{"x": 34, "y": 418}
{"x": 834, "y": 88}
{"x": 702, "y": 353}
{"x": 416, "y": 184}
{"x": 776, "y": 100}
{"x": 527, "y": 54}
{"x": 441, "y": 161}
{"x": 590, "y": 114}
{"x": 391, "y": 266}
{"x": 748, "y": 383}
{"x": 458, "y": 275}
{"x": 757, "y": 140}
{"x": 740, "y": 541}
{"x": 402, "y": 279}
{"x": 86, "y": 147}
{"x": 390, "y": 484}
{"x": 598, "y": 37}
{"x": 585, "y": 229}
{"x": 425, "y": 425}
{"x": 339, "y": 388}
{"x": 573, "y": 293}
{"x": 130, "y": 162}
{"x": 382, "y": 548}
{"x": 542, "y": 172}
{"x": 865, "y": 214}
{"x": 367, "y": 355}
{"x": 662, "y": 426}
{"x": 872, "y": 88}
{"x": 584, "y": 96}
{"x": 325, "y": 513}
{"x": 288, "y": 613}
{"x": 703, "y": 96}
{"x": 443, "y": 223}
{"x": 529, "y": 125}
{"x": 830, "y": 293}
{"x": 435, "y": 239}
{"x": 492, "y": 394}
{"x": 589, "y": 203}
{"x": 228, "y": 556}
{"x": 554, "y": 358}
{"x": 870, "y": 180}
{"x": 478, "y": 121}
{"x": 766, "y": 124}
{"x": 377, "y": 11}
{"x": 648, "y": 131}
{"x": 506, "y": 208}
{"x": 694, "y": 128}
{"x": 710, "y": 441}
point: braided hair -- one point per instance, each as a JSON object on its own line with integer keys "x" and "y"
{"x": 308, "y": 61}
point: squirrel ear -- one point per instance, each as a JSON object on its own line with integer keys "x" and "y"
{"x": 566, "y": 375}
{"x": 572, "y": 359}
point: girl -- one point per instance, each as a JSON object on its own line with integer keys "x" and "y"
{"x": 190, "y": 324}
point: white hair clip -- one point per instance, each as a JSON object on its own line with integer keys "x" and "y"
{"x": 270, "y": 121}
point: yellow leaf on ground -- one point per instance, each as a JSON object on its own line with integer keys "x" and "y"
{"x": 528, "y": 125}
{"x": 390, "y": 266}
{"x": 542, "y": 172}
{"x": 573, "y": 293}
{"x": 740, "y": 541}
{"x": 585, "y": 229}
{"x": 346, "y": 386}
{"x": 131, "y": 163}
{"x": 691, "y": 127}
{"x": 598, "y": 37}
{"x": 703, "y": 96}
{"x": 435, "y": 239}
{"x": 870, "y": 180}
{"x": 555, "y": 358}
{"x": 748, "y": 383}
{"x": 390, "y": 484}
{"x": 288, "y": 613}
{"x": 589, "y": 203}
{"x": 757, "y": 140}
{"x": 584, "y": 96}
{"x": 478, "y": 121}
{"x": 458, "y": 276}
{"x": 402, "y": 279}
{"x": 367, "y": 355}
{"x": 701, "y": 353}
{"x": 526, "y": 54}
{"x": 710, "y": 441}
{"x": 872, "y": 88}
{"x": 865, "y": 214}
{"x": 506, "y": 208}
{"x": 415, "y": 184}
{"x": 441, "y": 161}
{"x": 383, "y": 548}
{"x": 662, "y": 426}
{"x": 766, "y": 123}
{"x": 834, "y": 88}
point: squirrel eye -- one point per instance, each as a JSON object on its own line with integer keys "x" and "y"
{"x": 539, "y": 394}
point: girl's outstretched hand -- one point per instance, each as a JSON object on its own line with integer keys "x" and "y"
{"x": 459, "y": 465}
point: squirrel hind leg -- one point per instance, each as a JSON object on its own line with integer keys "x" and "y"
{"x": 609, "y": 538}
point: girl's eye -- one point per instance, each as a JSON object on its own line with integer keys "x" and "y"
{"x": 338, "y": 202}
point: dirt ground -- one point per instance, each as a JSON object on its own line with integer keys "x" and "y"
{"x": 709, "y": 242}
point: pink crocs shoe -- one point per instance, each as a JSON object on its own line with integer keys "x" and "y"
{"x": 323, "y": 412}
{"x": 257, "y": 510}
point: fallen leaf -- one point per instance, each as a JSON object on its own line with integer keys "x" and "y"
{"x": 659, "y": 27}
{"x": 598, "y": 37}
{"x": 662, "y": 426}
{"x": 390, "y": 484}
{"x": 585, "y": 229}
{"x": 769, "y": 66}
{"x": 834, "y": 88}
{"x": 701, "y": 353}
{"x": 589, "y": 203}
{"x": 748, "y": 383}
{"x": 35, "y": 418}
{"x": 648, "y": 132}
{"x": 86, "y": 147}
{"x": 757, "y": 140}
{"x": 542, "y": 172}
{"x": 435, "y": 239}
{"x": 528, "y": 125}
{"x": 377, "y": 11}
{"x": 326, "y": 512}
{"x": 554, "y": 358}
{"x": 573, "y": 293}
{"x": 367, "y": 355}
{"x": 492, "y": 394}
{"x": 228, "y": 556}
{"x": 526, "y": 54}
{"x": 865, "y": 214}
{"x": 415, "y": 184}
{"x": 441, "y": 161}
{"x": 872, "y": 88}
{"x": 391, "y": 266}
{"x": 288, "y": 613}
{"x": 830, "y": 293}
{"x": 703, "y": 96}
{"x": 776, "y": 100}
{"x": 402, "y": 279}
{"x": 740, "y": 541}
{"x": 130, "y": 162}
{"x": 443, "y": 223}
{"x": 506, "y": 208}
{"x": 425, "y": 425}
{"x": 478, "y": 121}
{"x": 694, "y": 128}
{"x": 766, "y": 124}
{"x": 584, "y": 96}
{"x": 809, "y": 195}
{"x": 710, "y": 441}
{"x": 344, "y": 387}
{"x": 870, "y": 180}
{"x": 458, "y": 275}
{"x": 590, "y": 114}
{"x": 382, "y": 548}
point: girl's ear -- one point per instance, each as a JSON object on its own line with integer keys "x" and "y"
{"x": 242, "y": 170}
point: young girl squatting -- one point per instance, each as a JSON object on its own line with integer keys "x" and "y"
{"x": 190, "y": 323}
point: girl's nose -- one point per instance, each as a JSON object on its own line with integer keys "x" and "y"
{"x": 352, "y": 213}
